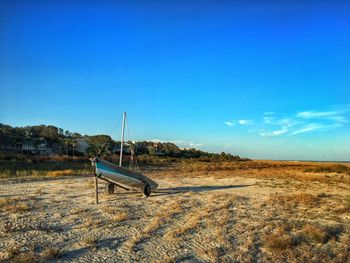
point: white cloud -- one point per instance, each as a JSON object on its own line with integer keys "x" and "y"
{"x": 274, "y": 124}
{"x": 280, "y": 132}
{"x": 269, "y": 120}
{"x": 274, "y": 133}
{"x": 315, "y": 127}
{"x": 242, "y": 122}
{"x": 304, "y": 122}
{"x": 303, "y": 130}
{"x": 245, "y": 122}
{"x": 316, "y": 114}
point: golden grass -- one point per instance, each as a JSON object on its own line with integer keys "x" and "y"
{"x": 117, "y": 215}
{"x": 120, "y": 216}
{"x": 211, "y": 253}
{"x": 92, "y": 222}
{"x": 76, "y": 211}
{"x": 16, "y": 205}
{"x": 329, "y": 168}
{"x": 279, "y": 241}
{"x": 61, "y": 173}
{"x": 315, "y": 233}
{"x": 321, "y": 234}
{"x": 262, "y": 169}
{"x": 153, "y": 226}
{"x": 191, "y": 223}
{"x": 294, "y": 199}
{"x": 13, "y": 250}
{"x": 133, "y": 241}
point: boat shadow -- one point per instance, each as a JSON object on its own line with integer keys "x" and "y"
{"x": 181, "y": 189}
{"x": 195, "y": 189}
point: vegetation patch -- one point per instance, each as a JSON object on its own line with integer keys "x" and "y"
{"x": 15, "y": 205}
{"x": 280, "y": 240}
{"x": 321, "y": 234}
{"x": 334, "y": 168}
{"x": 295, "y": 199}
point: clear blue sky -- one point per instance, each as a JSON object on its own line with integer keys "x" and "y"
{"x": 263, "y": 79}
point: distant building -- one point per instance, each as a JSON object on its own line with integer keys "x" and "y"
{"x": 81, "y": 144}
{"x": 28, "y": 145}
{"x": 34, "y": 146}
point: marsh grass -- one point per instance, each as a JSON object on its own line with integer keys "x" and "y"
{"x": 333, "y": 168}
{"x": 40, "y": 166}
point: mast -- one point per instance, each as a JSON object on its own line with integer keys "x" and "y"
{"x": 122, "y": 140}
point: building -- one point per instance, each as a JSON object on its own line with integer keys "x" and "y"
{"x": 34, "y": 146}
{"x": 28, "y": 145}
{"x": 81, "y": 145}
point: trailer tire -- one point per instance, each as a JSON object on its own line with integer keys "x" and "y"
{"x": 110, "y": 188}
{"x": 147, "y": 190}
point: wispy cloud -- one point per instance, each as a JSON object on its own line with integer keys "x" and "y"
{"x": 273, "y": 124}
{"x": 274, "y": 133}
{"x": 242, "y": 122}
{"x": 315, "y": 127}
{"x": 303, "y": 122}
{"x": 316, "y": 114}
{"x": 245, "y": 122}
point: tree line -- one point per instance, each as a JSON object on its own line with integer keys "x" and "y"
{"x": 64, "y": 142}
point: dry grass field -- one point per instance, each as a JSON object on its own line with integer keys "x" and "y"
{"x": 260, "y": 211}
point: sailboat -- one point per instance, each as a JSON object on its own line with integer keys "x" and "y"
{"x": 120, "y": 176}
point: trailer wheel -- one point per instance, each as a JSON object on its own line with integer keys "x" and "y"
{"x": 110, "y": 188}
{"x": 147, "y": 190}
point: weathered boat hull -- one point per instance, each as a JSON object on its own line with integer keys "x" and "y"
{"x": 121, "y": 176}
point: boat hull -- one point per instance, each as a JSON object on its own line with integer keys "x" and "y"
{"x": 121, "y": 176}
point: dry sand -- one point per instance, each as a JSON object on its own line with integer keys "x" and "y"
{"x": 210, "y": 218}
